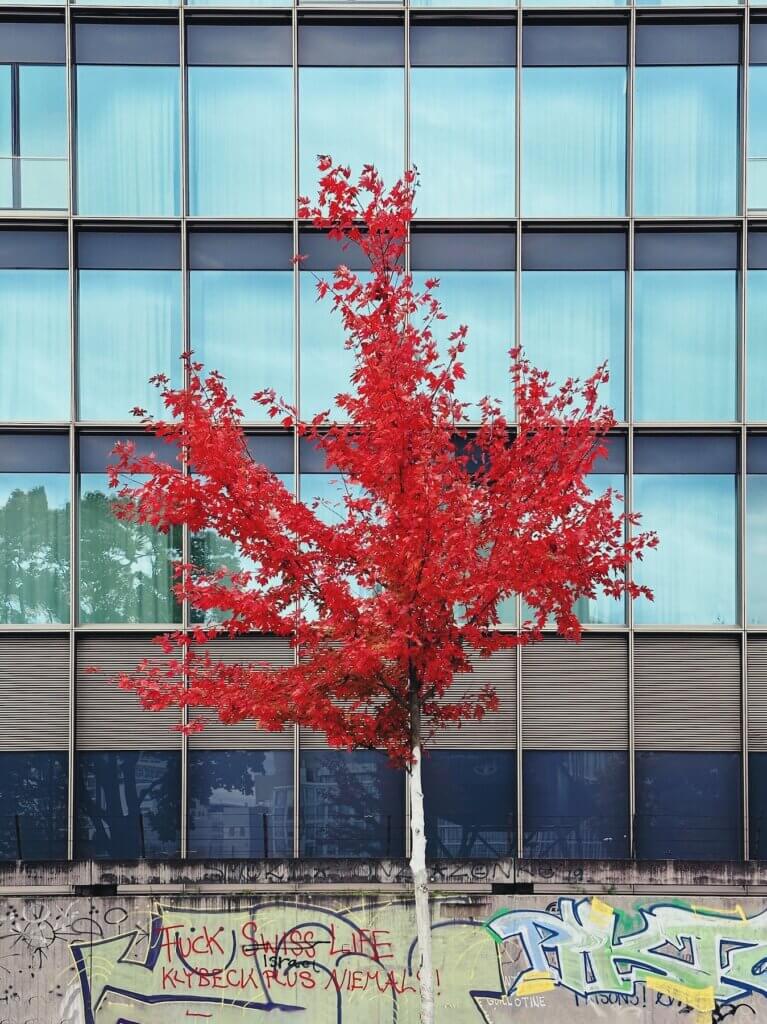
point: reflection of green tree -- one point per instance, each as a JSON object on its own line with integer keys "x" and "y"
{"x": 34, "y": 558}
{"x": 126, "y": 571}
{"x": 209, "y": 552}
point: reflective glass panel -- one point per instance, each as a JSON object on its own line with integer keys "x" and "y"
{"x": 686, "y": 141}
{"x": 688, "y": 806}
{"x": 33, "y": 792}
{"x": 572, "y": 321}
{"x": 241, "y": 323}
{"x": 129, "y": 328}
{"x": 240, "y": 803}
{"x": 757, "y": 137}
{"x": 757, "y": 805}
{"x": 128, "y": 141}
{"x": 354, "y": 114}
{"x": 756, "y": 547}
{"x": 34, "y": 345}
{"x": 484, "y": 301}
{"x": 326, "y": 364}
{"x": 43, "y": 145}
{"x": 573, "y": 142}
{"x": 693, "y": 571}
{"x": 756, "y": 378}
{"x": 6, "y": 137}
{"x": 231, "y": 172}
{"x": 34, "y": 547}
{"x": 209, "y": 552}
{"x": 462, "y": 129}
{"x": 351, "y": 805}
{"x": 470, "y": 799}
{"x": 576, "y": 804}
{"x": 126, "y": 569}
{"x": 128, "y": 804}
{"x": 685, "y": 345}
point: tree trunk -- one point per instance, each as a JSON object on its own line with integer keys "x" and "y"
{"x": 418, "y": 867}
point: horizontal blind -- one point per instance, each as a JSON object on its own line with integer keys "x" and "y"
{"x": 757, "y": 693}
{"x": 275, "y": 651}
{"x": 34, "y": 691}
{"x": 109, "y": 718}
{"x": 497, "y": 730}
{"x": 687, "y": 692}
{"x": 575, "y": 695}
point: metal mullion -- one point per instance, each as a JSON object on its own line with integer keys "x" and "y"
{"x": 517, "y": 341}
{"x": 296, "y": 391}
{"x": 15, "y": 139}
{"x": 406, "y": 150}
{"x": 743, "y": 414}
{"x": 185, "y": 338}
{"x": 629, "y": 414}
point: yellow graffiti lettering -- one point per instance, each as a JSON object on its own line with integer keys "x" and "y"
{"x": 535, "y": 982}
{"x": 701, "y": 999}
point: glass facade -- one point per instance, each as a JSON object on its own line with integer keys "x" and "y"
{"x": 591, "y": 190}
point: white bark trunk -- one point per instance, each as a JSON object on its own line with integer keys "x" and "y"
{"x": 421, "y": 887}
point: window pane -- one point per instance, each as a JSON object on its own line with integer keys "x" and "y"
{"x": 326, "y": 364}
{"x": 6, "y": 137}
{"x": 34, "y": 345}
{"x": 209, "y": 552}
{"x": 351, "y": 805}
{"x": 484, "y": 301}
{"x": 354, "y": 114}
{"x": 685, "y": 344}
{"x": 756, "y": 551}
{"x": 241, "y": 803}
{"x": 127, "y": 141}
{"x": 573, "y": 142}
{"x": 241, "y": 323}
{"x": 572, "y": 321}
{"x": 757, "y": 805}
{"x": 756, "y": 378}
{"x": 463, "y": 141}
{"x": 576, "y": 804}
{"x": 231, "y": 172}
{"x": 757, "y": 137}
{"x": 126, "y": 569}
{"x": 43, "y": 137}
{"x": 34, "y": 547}
{"x": 686, "y": 141}
{"x": 688, "y": 806}
{"x": 128, "y": 804}
{"x": 129, "y": 328}
{"x": 693, "y": 570}
{"x": 470, "y": 799}
{"x": 33, "y": 792}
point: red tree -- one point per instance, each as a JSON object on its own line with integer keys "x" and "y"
{"x": 440, "y": 523}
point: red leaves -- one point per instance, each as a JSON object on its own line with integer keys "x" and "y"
{"x": 434, "y": 526}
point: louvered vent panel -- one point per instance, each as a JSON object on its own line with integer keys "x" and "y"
{"x": 34, "y": 691}
{"x": 109, "y": 718}
{"x": 757, "y": 693}
{"x": 575, "y": 696}
{"x": 687, "y": 692}
{"x": 244, "y": 735}
{"x": 498, "y": 730}
{"x": 495, "y": 732}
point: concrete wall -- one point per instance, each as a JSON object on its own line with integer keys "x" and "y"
{"x": 334, "y": 943}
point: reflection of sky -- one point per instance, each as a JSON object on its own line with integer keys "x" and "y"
{"x": 129, "y": 328}
{"x": 484, "y": 301}
{"x": 574, "y": 142}
{"x": 693, "y": 570}
{"x": 757, "y": 137}
{"x": 572, "y": 321}
{"x": 685, "y": 343}
{"x": 756, "y": 378}
{"x": 756, "y": 559}
{"x": 241, "y": 323}
{"x": 686, "y": 141}
{"x": 34, "y": 344}
{"x": 356, "y": 115}
{"x": 56, "y": 486}
{"x": 463, "y": 125}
